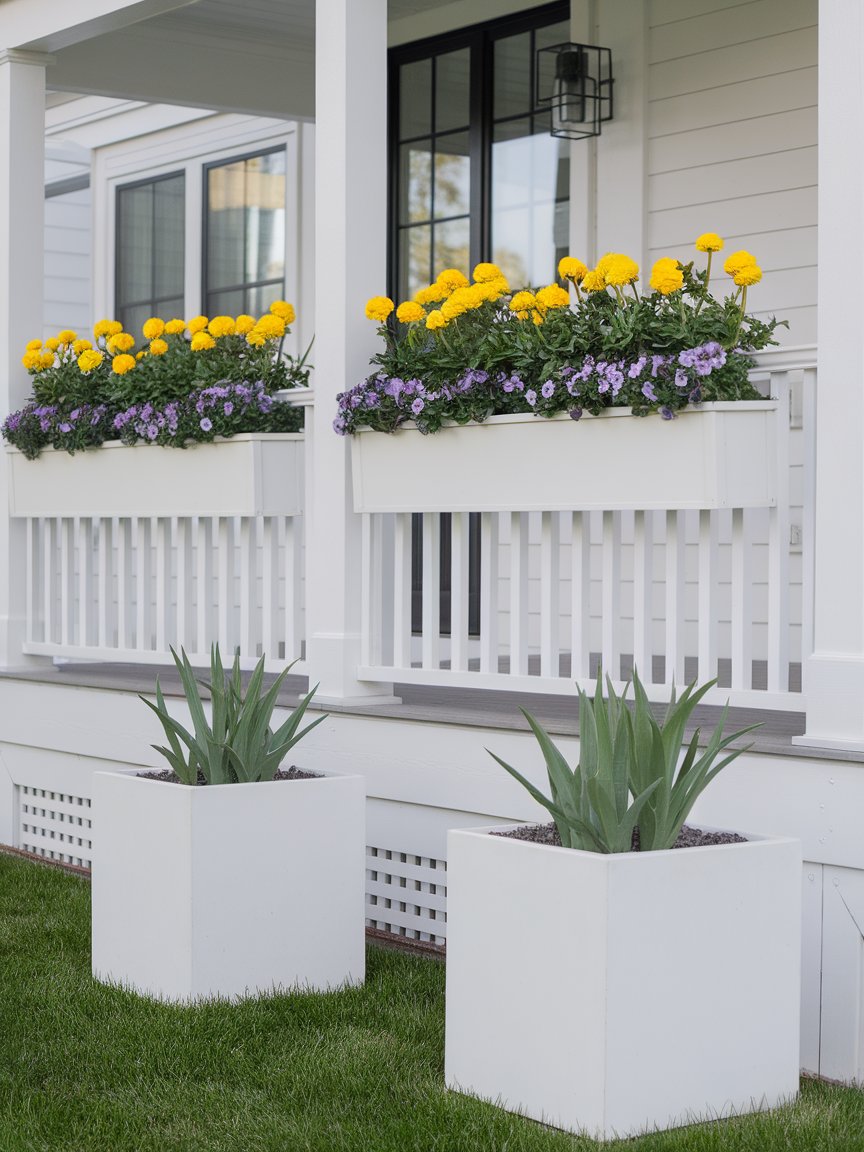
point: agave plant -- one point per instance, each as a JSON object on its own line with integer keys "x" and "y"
{"x": 626, "y": 755}
{"x": 238, "y": 745}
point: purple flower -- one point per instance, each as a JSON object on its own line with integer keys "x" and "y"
{"x": 547, "y": 389}
{"x": 206, "y": 424}
{"x": 417, "y": 406}
{"x": 648, "y": 392}
{"x": 681, "y": 380}
{"x": 64, "y": 427}
{"x": 228, "y": 408}
{"x": 531, "y": 397}
{"x": 667, "y": 413}
{"x": 152, "y": 432}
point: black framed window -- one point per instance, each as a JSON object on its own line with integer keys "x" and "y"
{"x": 244, "y": 233}
{"x": 149, "y": 254}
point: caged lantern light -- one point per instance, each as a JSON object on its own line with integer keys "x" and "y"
{"x": 575, "y": 82}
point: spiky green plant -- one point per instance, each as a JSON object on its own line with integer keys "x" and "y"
{"x": 238, "y": 745}
{"x": 626, "y": 754}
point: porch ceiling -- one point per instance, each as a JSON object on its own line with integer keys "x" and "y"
{"x": 257, "y": 58}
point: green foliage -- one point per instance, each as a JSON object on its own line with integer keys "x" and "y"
{"x": 626, "y": 754}
{"x": 238, "y": 745}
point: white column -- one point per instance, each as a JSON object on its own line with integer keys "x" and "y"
{"x": 22, "y": 199}
{"x": 834, "y": 673}
{"x": 350, "y": 266}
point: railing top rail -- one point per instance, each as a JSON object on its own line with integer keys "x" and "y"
{"x": 788, "y": 358}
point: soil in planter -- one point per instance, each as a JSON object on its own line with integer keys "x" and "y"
{"x": 687, "y": 838}
{"x": 169, "y": 777}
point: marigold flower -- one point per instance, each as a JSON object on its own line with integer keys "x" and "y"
{"x": 738, "y": 260}
{"x": 522, "y": 301}
{"x": 435, "y": 320}
{"x": 708, "y": 242}
{"x": 430, "y": 295}
{"x": 569, "y": 268}
{"x": 619, "y": 269}
{"x": 46, "y": 360}
{"x": 53, "y": 344}
{"x": 122, "y": 364}
{"x": 749, "y": 274}
{"x": 32, "y": 360}
{"x": 202, "y": 341}
{"x": 594, "y": 281}
{"x": 34, "y": 346}
{"x": 175, "y": 327}
{"x": 483, "y": 273}
{"x": 81, "y": 346}
{"x": 537, "y": 317}
{"x": 197, "y": 324}
{"x": 153, "y": 328}
{"x": 256, "y": 338}
{"x": 158, "y": 347}
{"x": 221, "y": 326}
{"x": 102, "y": 328}
{"x": 553, "y": 296}
{"x": 89, "y": 359}
{"x": 271, "y": 326}
{"x": 67, "y": 336}
{"x": 121, "y": 342}
{"x": 666, "y": 276}
{"x": 492, "y": 289}
{"x": 379, "y": 308}
{"x": 451, "y": 279}
{"x": 451, "y": 308}
{"x": 409, "y": 312}
{"x": 284, "y": 311}
{"x": 244, "y": 324}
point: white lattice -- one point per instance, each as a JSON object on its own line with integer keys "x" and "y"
{"x": 55, "y": 825}
{"x": 406, "y": 894}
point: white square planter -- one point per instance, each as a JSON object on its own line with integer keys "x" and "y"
{"x": 711, "y": 456}
{"x": 253, "y": 474}
{"x": 228, "y": 890}
{"x": 613, "y": 994}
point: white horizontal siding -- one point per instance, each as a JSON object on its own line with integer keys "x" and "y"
{"x": 68, "y": 256}
{"x": 732, "y": 92}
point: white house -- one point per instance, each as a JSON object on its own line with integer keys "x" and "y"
{"x": 150, "y": 110}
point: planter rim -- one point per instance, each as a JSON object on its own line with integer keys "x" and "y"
{"x": 243, "y": 437}
{"x": 138, "y": 777}
{"x": 753, "y": 841}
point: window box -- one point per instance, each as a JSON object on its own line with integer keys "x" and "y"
{"x": 715, "y": 456}
{"x": 253, "y": 474}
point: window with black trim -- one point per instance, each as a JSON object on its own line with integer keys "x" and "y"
{"x": 150, "y": 225}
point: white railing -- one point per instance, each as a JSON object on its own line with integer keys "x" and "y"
{"x": 683, "y": 594}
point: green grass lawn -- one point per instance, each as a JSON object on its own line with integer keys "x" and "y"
{"x": 87, "y": 1067}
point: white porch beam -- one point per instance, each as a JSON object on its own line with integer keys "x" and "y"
{"x": 350, "y": 266}
{"x": 834, "y": 673}
{"x": 49, "y": 26}
{"x": 22, "y": 165}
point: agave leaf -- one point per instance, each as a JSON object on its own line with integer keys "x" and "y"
{"x": 559, "y": 816}
{"x": 558, "y": 770}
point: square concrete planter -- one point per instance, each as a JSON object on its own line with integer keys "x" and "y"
{"x": 229, "y": 890}
{"x": 610, "y": 994}
{"x": 711, "y": 456}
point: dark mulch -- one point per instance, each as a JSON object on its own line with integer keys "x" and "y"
{"x": 169, "y": 777}
{"x": 687, "y": 838}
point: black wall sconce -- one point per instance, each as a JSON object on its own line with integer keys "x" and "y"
{"x": 575, "y": 82}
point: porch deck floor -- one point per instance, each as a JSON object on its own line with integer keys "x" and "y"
{"x": 478, "y": 707}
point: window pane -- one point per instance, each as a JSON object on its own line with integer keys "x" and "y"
{"x": 170, "y": 214}
{"x": 230, "y": 303}
{"x": 452, "y": 91}
{"x": 258, "y": 300}
{"x": 452, "y": 175}
{"x": 451, "y": 246}
{"x": 415, "y": 260}
{"x": 135, "y": 243}
{"x": 415, "y": 99}
{"x": 150, "y": 248}
{"x": 415, "y": 181}
{"x": 512, "y": 76}
{"x": 245, "y": 222}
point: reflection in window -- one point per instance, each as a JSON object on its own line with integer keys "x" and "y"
{"x": 149, "y": 251}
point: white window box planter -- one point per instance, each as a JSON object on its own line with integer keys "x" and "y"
{"x": 252, "y": 474}
{"x": 612, "y": 994}
{"x": 229, "y": 890}
{"x": 715, "y": 456}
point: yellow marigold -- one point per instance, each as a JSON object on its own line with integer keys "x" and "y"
{"x": 122, "y": 364}
{"x": 409, "y": 313}
{"x": 492, "y": 289}
{"x": 158, "y": 347}
{"x": 32, "y": 360}
{"x": 102, "y": 328}
{"x": 483, "y": 273}
{"x": 569, "y": 268}
{"x": 738, "y": 260}
{"x": 271, "y": 326}
{"x": 202, "y": 341}
{"x": 537, "y": 317}
{"x": 435, "y": 320}
{"x": 666, "y": 276}
{"x": 430, "y": 295}
{"x": 34, "y": 346}
{"x": 89, "y": 359}
{"x": 256, "y": 338}
{"x": 620, "y": 269}
{"x": 139, "y": 355}
{"x": 594, "y": 281}
{"x": 81, "y": 346}
{"x": 114, "y": 326}
{"x": 553, "y": 296}
{"x": 153, "y": 328}
{"x": 708, "y": 242}
{"x": 451, "y": 279}
{"x": 198, "y": 324}
{"x": 121, "y": 342}
{"x": 749, "y": 274}
{"x": 461, "y": 300}
{"x": 46, "y": 360}
{"x": 379, "y": 308}
{"x": 522, "y": 301}
{"x": 53, "y": 344}
{"x": 67, "y": 336}
{"x": 244, "y": 324}
{"x": 284, "y": 311}
{"x": 175, "y": 327}
{"x": 221, "y": 326}
{"x": 450, "y": 309}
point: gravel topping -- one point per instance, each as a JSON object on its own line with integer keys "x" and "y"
{"x": 688, "y": 837}
{"x": 169, "y": 777}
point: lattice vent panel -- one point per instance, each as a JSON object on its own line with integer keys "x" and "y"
{"x": 406, "y": 894}
{"x": 55, "y": 825}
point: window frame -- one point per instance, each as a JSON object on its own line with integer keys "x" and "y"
{"x": 126, "y": 187}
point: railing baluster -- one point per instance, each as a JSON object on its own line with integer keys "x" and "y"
{"x": 580, "y": 595}
{"x": 489, "y": 592}
{"x": 778, "y": 549}
{"x": 162, "y": 601}
{"x": 742, "y": 603}
{"x": 643, "y": 586}
{"x": 675, "y": 545}
{"x": 459, "y": 591}
{"x": 402, "y": 588}
{"x": 248, "y": 585}
{"x": 369, "y": 589}
{"x": 518, "y": 593}
{"x": 611, "y": 595}
{"x": 550, "y": 585}
{"x": 707, "y": 618}
{"x": 431, "y": 590}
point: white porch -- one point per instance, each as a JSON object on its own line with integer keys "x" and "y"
{"x": 766, "y": 598}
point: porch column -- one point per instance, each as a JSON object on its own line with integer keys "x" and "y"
{"x": 350, "y": 266}
{"x": 834, "y": 673}
{"x": 22, "y": 198}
